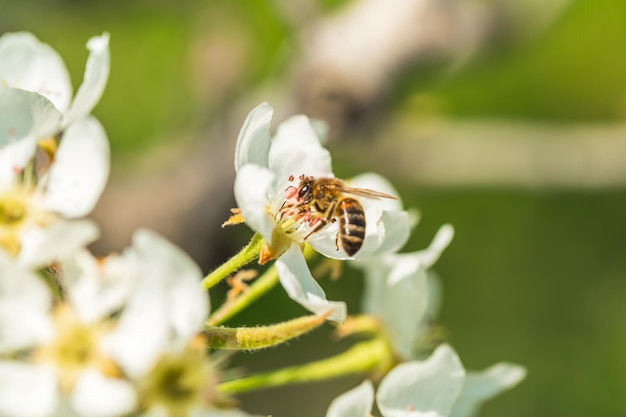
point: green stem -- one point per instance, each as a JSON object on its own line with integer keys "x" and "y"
{"x": 372, "y": 355}
{"x": 261, "y": 285}
{"x": 243, "y": 258}
{"x": 257, "y": 289}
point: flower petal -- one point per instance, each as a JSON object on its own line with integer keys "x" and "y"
{"x": 396, "y": 291}
{"x": 442, "y": 239}
{"x": 372, "y": 181}
{"x": 252, "y": 186}
{"x": 40, "y": 246}
{"x": 98, "y": 396}
{"x": 301, "y": 287}
{"x": 94, "y": 81}
{"x": 31, "y": 65}
{"x": 80, "y": 170}
{"x": 253, "y": 143}
{"x": 27, "y": 391}
{"x": 167, "y": 307}
{"x": 422, "y": 389}
{"x": 481, "y": 386}
{"x": 23, "y": 295}
{"x": 355, "y": 403}
{"x": 296, "y": 150}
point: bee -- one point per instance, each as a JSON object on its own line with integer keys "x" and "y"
{"x": 329, "y": 200}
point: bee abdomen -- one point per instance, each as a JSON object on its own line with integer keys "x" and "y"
{"x": 351, "y": 225}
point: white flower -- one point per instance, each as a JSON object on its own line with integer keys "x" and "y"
{"x": 268, "y": 172}
{"x": 435, "y": 387}
{"x": 122, "y": 339}
{"x": 28, "y": 64}
{"x": 36, "y": 104}
{"x": 399, "y": 291}
{"x": 53, "y": 356}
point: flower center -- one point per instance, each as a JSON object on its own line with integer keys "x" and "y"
{"x": 13, "y": 215}
{"x": 178, "y": 382}
{"x": 75, "y": 348}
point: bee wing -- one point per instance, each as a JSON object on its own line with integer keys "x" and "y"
{"x": 362, "y": 192}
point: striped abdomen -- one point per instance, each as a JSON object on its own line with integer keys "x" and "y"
{"x": 351, "y": 225}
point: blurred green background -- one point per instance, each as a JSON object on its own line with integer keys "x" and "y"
{"x": 536, "y": 273}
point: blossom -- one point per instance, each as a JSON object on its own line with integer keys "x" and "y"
{"x": 268, "y": 170}
{"x": 36, "y": 106}
{"x": 401, "y": 291}
{"x": 436, "y": 387}
{"x": 124, "y": 340}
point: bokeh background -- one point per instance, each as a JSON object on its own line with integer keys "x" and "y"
{"x": 504, "y": 118}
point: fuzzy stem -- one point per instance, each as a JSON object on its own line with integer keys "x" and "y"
{"x": 371, "y": 355}
{"x": 251, "y": 338}
{"x": 243, "y": 258}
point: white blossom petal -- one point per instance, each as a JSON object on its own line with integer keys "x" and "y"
{"x": 167, "y": 307}
{"x": 63, "y": 238}
{"x": 23, "y": 295}
{"x": 355, "y": 403}
{"x": 440, "y": 242}
{"x": 94, "y": 81}
{"x": 376, "y": 182}
{"x": 396, "y": 291}
{"x": 253, "y": 144}
{"x": 422, "y": 389}
{"x": 482, "y": 386}
{"x": 300, "y": 285}
{"x": 31, "y": 65}
{"x": 96, "y": 289}
{"x": 296, "y": 150}
{"x": 252, "y": 185}
{"x": 80, "y": 170}
{"x": 95, "y": 395}
{"x": 397, "y": 226}
{"x": 26, "y": 390}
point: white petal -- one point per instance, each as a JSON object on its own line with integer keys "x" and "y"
{"x": 252, "y": 185}
{"x": 355, "y": 403}
{"x": 63, "y": 238}
{"x": 397, "y": 224}
{"x": 94, "y": 81}
{"x": 25, "y": 117}
{"x": 23, "y": 295}
{"x": 167, "y": 307}
{"x": 31, "y": 65}
{"x": 27, "y": 391}
{"x": 98, "y": 396}
{"x": 396, "y": 291}
{"x": 422, "y": 389}
{"x": 80, "y": 170}
{"x": 442, "y": 239}
{"x": 253, "y": 143}
{"x": 300, "y": 285}
{"x": 481, "y": 386}
{"x": 378, "y": 183}
{"x": 97, "y": 290}
{"x": 296, "y": 150}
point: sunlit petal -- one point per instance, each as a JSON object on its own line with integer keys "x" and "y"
{"x": 29, "y": 64}
{"x": 300, "y": 285}
{"x": 482, "y": 386}
{"x": 94, "y": 81}
{"x": 422, "y": 389}
{"x": 80, "y": 170}
{"x": 253, "y": 144}
{"x": 27, "y": 391}
{"x": 98, "y": 396}
{"x": 252, "y": 185}
{"x": 355, "y": 403}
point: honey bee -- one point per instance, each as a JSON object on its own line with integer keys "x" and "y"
{"x": 329, "y": 200}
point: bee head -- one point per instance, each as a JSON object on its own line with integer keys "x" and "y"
{"x": 305, "y": 191}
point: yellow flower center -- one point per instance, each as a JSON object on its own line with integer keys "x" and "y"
{"x": 179, "y": 383}
{"x": 75, "y": 348}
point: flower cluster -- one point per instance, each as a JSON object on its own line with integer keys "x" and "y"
{"x": 132, "y": 334}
